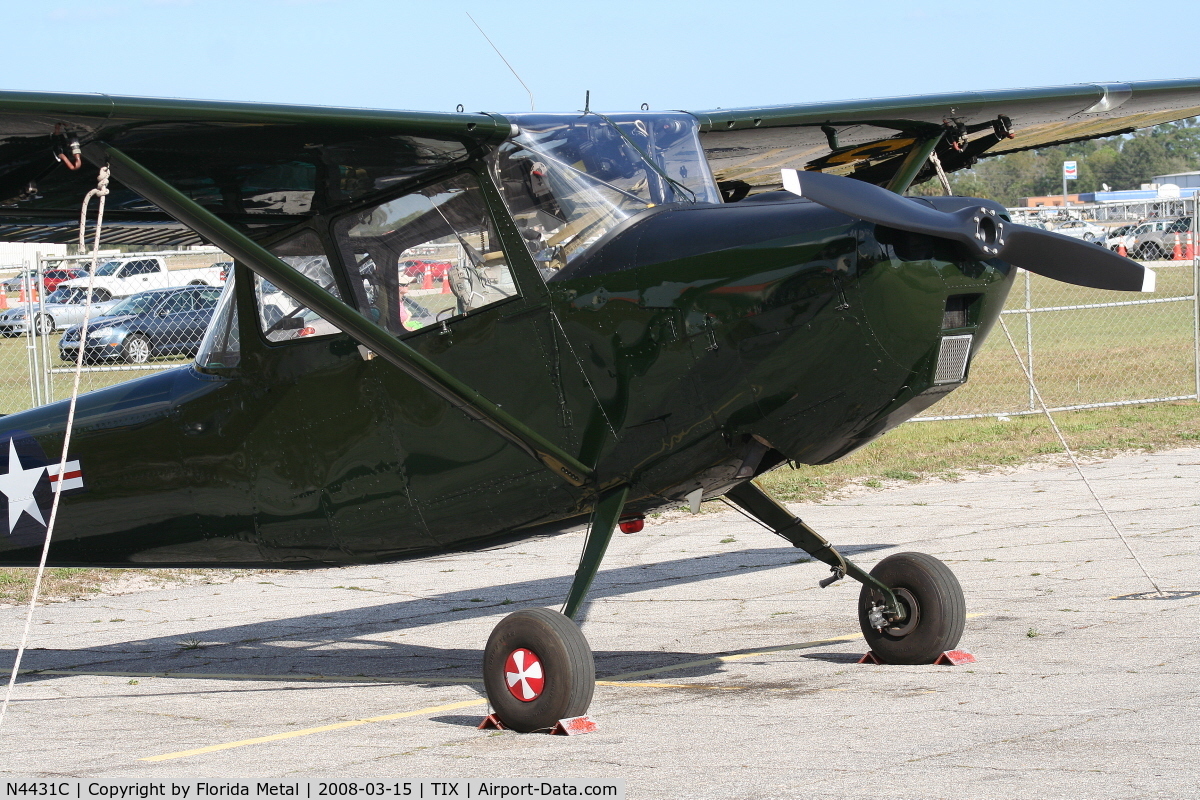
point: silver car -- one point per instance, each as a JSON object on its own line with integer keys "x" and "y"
{"x": 61, "y": 309}
{"x": 1081, "y": 229}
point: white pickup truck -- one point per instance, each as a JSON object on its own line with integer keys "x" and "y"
{"x": 121, "y": 277}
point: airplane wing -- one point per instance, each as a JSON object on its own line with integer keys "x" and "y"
{"x": 870, "y": 139}
{"x": 258, "y": 166}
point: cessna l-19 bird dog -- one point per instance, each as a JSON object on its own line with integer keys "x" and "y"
{"x": 644, "y": 308}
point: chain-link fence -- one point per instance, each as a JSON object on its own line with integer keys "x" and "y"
{"x": 149, "y": 312}
{"x": 1090, "y": 348}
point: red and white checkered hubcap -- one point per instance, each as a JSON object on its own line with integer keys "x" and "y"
{"x": 523, "y": 675}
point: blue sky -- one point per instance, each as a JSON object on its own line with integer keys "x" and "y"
{"x": 686, "y": 55}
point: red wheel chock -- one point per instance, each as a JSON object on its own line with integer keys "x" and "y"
{"x": 572, "y": 726}
{"x": 954, "y": 658}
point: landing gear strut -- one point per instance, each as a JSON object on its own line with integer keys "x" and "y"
{"x": 537, "y": 666}
{"x": 911, "y": 607}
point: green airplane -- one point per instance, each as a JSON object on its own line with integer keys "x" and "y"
{"x": 634, "y": 310}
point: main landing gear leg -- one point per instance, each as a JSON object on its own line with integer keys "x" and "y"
{"x": 911, "y": 607}
{"x": 537, "y": 666}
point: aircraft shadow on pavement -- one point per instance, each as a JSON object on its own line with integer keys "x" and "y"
{"x": 339, "y": 643}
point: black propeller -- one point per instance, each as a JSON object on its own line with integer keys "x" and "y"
{"x": 980, "y": 227}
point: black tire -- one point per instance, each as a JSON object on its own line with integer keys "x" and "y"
{"x": 43, "y": 324}
{"x": 136, "y": 349}
{"x": 567, "y": 668}
{"x": 937, "y": 610}
{"x": 101, "y": 295}
{"x": 1151, "y": 252}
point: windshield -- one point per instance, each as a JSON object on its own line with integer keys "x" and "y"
{"x": 108, "y": 268}
{"x": 137, "y": 304}
{"x": 221, "y": 346}
{"x": 568, "y": 178}
{"x": 68, "y": 295}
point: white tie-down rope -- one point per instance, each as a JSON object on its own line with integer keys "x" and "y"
{"x": 101, "y": 191}
{"x": 1071, "y": 455}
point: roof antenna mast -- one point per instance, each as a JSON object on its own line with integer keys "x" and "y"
{"x": 505, "y": 60}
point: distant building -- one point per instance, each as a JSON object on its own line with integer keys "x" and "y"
{"x": 16, "y": 255}
{"x": 1184, "y": 180}
{"x": 1162, "y": 187}
{"x": 1051, "y": 200}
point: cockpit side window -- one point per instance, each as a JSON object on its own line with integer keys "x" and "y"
{"x": 282, "y": 318}
{"x": 426, "y": 257}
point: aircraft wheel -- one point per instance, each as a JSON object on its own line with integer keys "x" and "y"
{"x": 538, "y": 669}
{"x": 937, "y": 610}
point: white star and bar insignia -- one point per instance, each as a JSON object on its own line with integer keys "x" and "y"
{"x": 27, "y": 484}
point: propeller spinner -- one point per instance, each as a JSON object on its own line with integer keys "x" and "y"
{"x": 981, "y": 228}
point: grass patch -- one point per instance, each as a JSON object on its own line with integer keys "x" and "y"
{"x": 72, "y": 583}
{"x": 14, "y": 371}
{"x": 1092, "y": 355}
{"x": 947, "y": 449}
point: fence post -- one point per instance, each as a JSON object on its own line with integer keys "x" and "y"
{"x": 31, "y": 359}
{"x": 47, "y": 396}
{"x": 1196, "y": 293}
{"x": 1029, "y": 338}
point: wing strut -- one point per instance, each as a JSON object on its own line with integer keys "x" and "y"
{"x": 366, "y": 332}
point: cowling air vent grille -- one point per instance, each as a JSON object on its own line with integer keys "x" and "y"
{"x": 952, "y": 359}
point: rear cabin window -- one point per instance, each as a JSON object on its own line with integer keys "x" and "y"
{"x": 282, "y": 318}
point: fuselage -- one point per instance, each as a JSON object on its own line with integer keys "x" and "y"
{"x": 728, "y": 327}
{"x": 693, "y": 345}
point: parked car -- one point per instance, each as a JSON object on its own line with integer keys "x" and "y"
{"x": 157, "y": 322}
{"x": 121, "y": 277}
{"x": 51, "y": 278}
{"x": 61, "y": 308}
{"x": 1080, "y": 229}
{"x": 1118, "y": 237}
{"x": 13, "y": 285}
{"x": 1155, "y": 239}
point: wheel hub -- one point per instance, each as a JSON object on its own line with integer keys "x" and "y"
{"x": 912, "y": 618}
{"x": 523, "y": 675}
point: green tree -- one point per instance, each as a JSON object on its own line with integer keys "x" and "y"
{"x": 1121, "y": 162}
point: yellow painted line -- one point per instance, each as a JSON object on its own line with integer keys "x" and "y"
{"x": 308, "y": 731}
{"x": 227, "y": 676}
{"x": 615, "y": 680}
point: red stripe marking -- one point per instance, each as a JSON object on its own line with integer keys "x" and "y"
{"x": 69, "y": 475}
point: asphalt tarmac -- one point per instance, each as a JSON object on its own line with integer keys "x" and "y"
{"x": 725, "y": 671}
